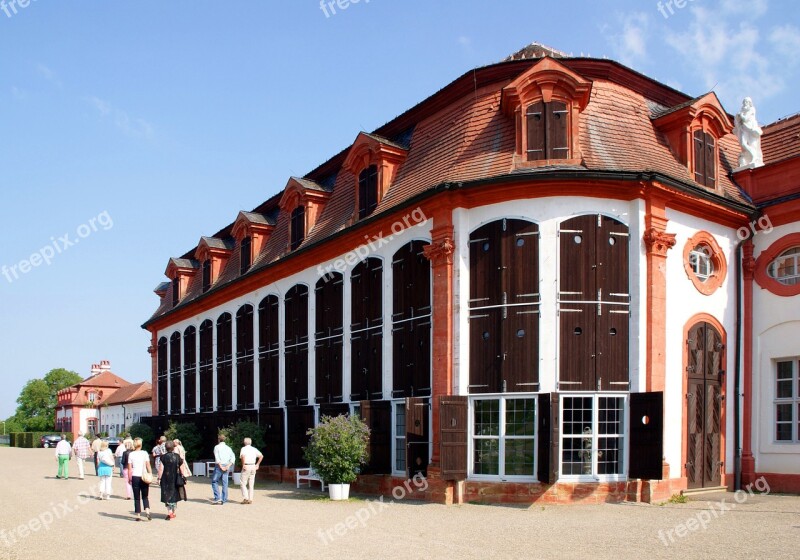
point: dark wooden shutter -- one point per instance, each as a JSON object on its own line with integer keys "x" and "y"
{"x": 275, "y": 448}
{"x": 557, "y": 142}
{"x": 366, "y": 328}
{"x": 245, "y": 255}
{"x": 206, "y": 366}
{"x": 268, "y": 351}
{"x": 328, "y": 338}
{"x": 299, "y": 419}
{"x": 363, "y": 187}
{"x": 245, "y": 380}
{"x": 453, "y": 430}
{"x": 699, "y": 157}
{"x": 175, "y": 291}
{"x": 543, "y": 469}
{"x": 175, "y": 372}
{"x": 417, "y": 430}
{"x": 224, "y": 362}
{"x": 647, "y": 436}
{"x": 378, "y": 416}
{"x": 298, "y": 227}
{"x": 367, "y": 191}
{"x": 535, "y": 119}
{"x": 190, "y": 370}
{"x": 710, "y": 163}
{"x": 334, "y": 409}
{"x": 296, "y": 345}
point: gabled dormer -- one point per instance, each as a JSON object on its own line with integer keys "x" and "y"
{"x": 693, "y": 130}
{"x": 373, "y": 161}
{"x": 303, "y": 201}
{"x": 212, "y": 253}
{"x": 251, "y": 231}
{"x": 162, "y": 289}
{"x": 546, "y": 103}
{"x": 180, "y": 272}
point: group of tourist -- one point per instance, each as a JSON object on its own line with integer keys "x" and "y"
{"x": 169, "y": 467}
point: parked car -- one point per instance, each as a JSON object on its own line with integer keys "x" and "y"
{"x": 50, "y": 440}
{"x": 113, "y": 442}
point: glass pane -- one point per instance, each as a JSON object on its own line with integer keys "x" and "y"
{"x": 783, "y": 432}
{"x": 609, "y": 456}
{"x": 487, "y": 418}
{"x": 487, "y": 456}
{"x": 400, "y": 419}
{"x": 520, "y": 417}
{"x": 784, "y": 412}
{"x": 610, "y": 416}
{"x": 577, "y": 415}
{"x": 400, "y": 440}
{"x": 576, "y": 456}
{"x": 400, "y": 454}
{"x": 519, "y": 457}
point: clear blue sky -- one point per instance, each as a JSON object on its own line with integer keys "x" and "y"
{"x": 167, "y": 118}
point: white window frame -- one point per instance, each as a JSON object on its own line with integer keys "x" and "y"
{"x": 624, "y": 450}
{"x": 396, "y": 437}
{"x": 502, "y": 437}
{"x": 787, "y": 280}
{"x": 794, "y": 401}
{"x": 701, "y": 262}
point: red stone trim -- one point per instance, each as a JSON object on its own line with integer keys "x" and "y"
{"x": 766, "y": 257}
{"x": 716, "y": 279}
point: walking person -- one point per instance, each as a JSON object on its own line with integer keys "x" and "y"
{"x": 251, "y": 460}
{"x": 159, "y": 450}
{"x": 118, "y": 456}
{"x": 63, "y": 453}
{"x": 82, "y": 450}
{"x": 223, "y": 462}
{"x": 96, "y": 450}
{"x": 171, "y": 480}
{"x": 105, "y": 460}
{"x": 127, "y": 447}
{"x": 179, "y": 449}
{"x": 138, "y": 465}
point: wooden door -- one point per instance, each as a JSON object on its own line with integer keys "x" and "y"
{"x": 417, "y": 437}
{"x": 704, "y": 408}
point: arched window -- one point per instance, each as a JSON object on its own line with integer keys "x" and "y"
{"x": 296, "y": 345}
{"x": 244, "y": 358}
{"x": 161, "y": 374}
{"x": 175, "y": 373}
{"x": 190, "y": 370}
{"x": 224, "y": 362}
{"x": 786, "y": 267}
{"x": 328, "y": 338}
{"x": 268, "y": 352}
{"x": 297, "y": 227}
{"x": 207, "y": 366}
{"x": 411, "y": 322}
{"x": 366, "y": 330}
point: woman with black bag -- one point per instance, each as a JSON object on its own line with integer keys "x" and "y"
{"x": 173, "y": 483}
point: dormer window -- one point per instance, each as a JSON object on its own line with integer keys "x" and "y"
{"x": 546, "y": 103}
{"x": 367, "y": 191}
{"x": 92, "y": 396}
{"x": 245, "y": 255}
{"x": 547, "y": 126}
{"x": 297, "y": 227}
{"x": 206, "y": 275}
{"x": 705, "y": 159}
{"x": 175, "y": 291}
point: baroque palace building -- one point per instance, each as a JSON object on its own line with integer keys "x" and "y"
{"x": 546, "y": 282}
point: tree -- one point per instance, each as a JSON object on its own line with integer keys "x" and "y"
{"x": 190, "y": 438}
{"x": 236, "y": 433}
{"x": 37, "y": 400}
{"x": 142, "y": 431}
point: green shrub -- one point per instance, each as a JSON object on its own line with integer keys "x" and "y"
{"x": 143, "y": 431}
{"x": 235, "y": 434}
{"x": 190, "y": 436}
{"x": 338, "y": 448}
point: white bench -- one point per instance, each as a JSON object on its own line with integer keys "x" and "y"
{"x": 307, "y": 475}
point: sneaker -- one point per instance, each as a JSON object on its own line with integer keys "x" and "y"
{"x": 149, "y": 517}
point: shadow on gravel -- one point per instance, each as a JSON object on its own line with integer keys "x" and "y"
{"x": 117, "y": 516}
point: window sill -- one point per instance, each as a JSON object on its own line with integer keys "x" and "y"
{"x": 520, "y": 163}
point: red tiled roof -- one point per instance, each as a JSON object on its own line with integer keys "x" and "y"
{"x": 103, "y": 379}
{"x": 132, "y": 393}
{"x": 471, "y": 138}
{"x": 781, "y": 140}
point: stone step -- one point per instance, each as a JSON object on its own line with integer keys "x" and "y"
{"x": 706, "y": 490}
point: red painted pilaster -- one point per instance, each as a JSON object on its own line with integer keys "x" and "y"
{"x": 153, "y": 371}
{"x": 748, "y": 268}
{"x": 440, "y": 253}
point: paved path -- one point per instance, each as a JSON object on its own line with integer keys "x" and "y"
{"x": 292, "y": 524}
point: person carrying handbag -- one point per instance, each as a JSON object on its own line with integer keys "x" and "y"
{"x": 140, "y": 475}
{"x": 172, "y": 481}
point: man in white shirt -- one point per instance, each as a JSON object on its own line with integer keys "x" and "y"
{"x": 82, "y": 450}
{"x": 251, "y": 460}
{"x": 224, "y": 460}
{"x": 63, "y": 452}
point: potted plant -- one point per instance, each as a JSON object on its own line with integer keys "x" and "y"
{"x": 337, "y": 449}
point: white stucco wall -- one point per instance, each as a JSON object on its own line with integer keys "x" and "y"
{"x": 776, "y": 336}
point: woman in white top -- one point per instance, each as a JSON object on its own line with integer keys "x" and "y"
{"x": 138, "y": 464}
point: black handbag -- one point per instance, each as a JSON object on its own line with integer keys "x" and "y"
{"x": 180, "y": 480}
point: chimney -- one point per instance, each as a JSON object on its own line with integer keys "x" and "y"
{"x": 105, "y": 365}
{"x": 95, "y": 369}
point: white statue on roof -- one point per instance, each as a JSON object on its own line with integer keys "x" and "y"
{"x": 749, "y": 133}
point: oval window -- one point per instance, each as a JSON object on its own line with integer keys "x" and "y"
{"x": 786, "y": 267}
{"x": 578, "y": 239}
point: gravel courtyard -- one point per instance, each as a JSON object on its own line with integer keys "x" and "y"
{"x": 298, "y": 524}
